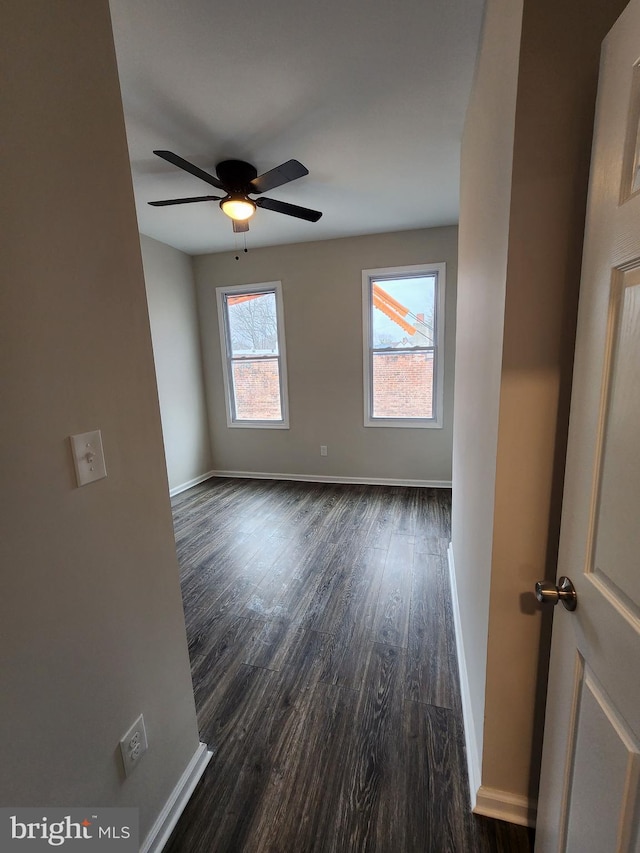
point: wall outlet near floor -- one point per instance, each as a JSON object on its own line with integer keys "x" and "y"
{"x": 133, "y": 745}
{"x": 323, "y": 450}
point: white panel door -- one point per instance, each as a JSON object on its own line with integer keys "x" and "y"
{"x": 591, "y": 762}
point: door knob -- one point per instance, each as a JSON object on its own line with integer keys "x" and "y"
{"x": 548, "y": 593}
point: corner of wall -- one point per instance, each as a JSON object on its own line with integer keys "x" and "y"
{"x": 486, "y": 167}
{"x": 472, "y": 747}
{"x": 177, "y": 348}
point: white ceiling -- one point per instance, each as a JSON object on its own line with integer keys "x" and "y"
{"x": 369, "y": 94}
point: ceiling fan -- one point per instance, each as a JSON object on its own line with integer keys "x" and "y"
{"x": 239, "y": 180}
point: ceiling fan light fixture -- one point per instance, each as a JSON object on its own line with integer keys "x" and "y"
{"x": 238, "y": 208}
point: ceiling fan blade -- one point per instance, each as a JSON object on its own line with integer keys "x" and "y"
{"x": 289, "y": 171}
{"x": 240, "y": 227}
{"x": 181, "y": 163}
{"x": 185, "y": 200}
{"x": 289, "y": 209}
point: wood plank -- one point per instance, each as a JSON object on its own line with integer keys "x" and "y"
{"x": 368, "y": 759}
{"x": 437, "y": 804}
{"x": 300, "y": 807}
{"x": 274, "y": 726}
{"x": 222, "y": 653}
{"x": 406, "y": 504}
{"x": 294, "y": 561}
{"x": 288, "y": 645}
{"x": 311, "y": 595}
{"x": 382, "y": 522}
{"x": 428, "y": 677}
{"x": 352, "y": 624}
{"x": 213, "y": 615}
{"x": 212, "y": 819}
{"x": 391, "y": 622}
{"x": 435, "y": 511}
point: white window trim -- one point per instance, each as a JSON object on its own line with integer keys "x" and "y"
{"x": 238, "y": 290}
{"x": 411, "y": 271}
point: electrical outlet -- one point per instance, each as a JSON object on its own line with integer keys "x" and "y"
{"x": 133, "y": 745}
{"x": 323, "y": 450}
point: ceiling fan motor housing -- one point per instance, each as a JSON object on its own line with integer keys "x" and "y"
{"x": 236, "y": 175}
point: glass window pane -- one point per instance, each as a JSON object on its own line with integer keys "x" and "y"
{"x": 402, "y": 385}
{"x": 253, "y": 324}
{"x": 256, "y": 389}
{"x": 403, "y": 312}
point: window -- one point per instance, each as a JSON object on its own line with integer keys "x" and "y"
{"x": 253, "y": 355}
{"x": 403, "y": 319}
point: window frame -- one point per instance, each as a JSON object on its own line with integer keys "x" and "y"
{"x": 227, "y": 359}
{"x": 410, "y": 271}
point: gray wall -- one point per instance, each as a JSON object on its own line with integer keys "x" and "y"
{"x": 322, "y": 292}
{"x": 506, "y": 521}
{"x": 91, "y": 623}
{"x": 552, "y": 146}
{"x": 173, "y": 315}
{"x": 487, "y": 149}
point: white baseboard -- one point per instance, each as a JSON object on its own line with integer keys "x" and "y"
{"x": 502, "y": 805}
{"x": 191, "y": 483}
{"x": 471, "y": 744}
{"x": 163, "y": 827}
{"x": 321, "y": 478}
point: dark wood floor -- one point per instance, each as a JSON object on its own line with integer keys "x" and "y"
{"x": 325, "y": 675}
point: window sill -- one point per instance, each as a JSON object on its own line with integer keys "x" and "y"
{"x": 258, "y": 424}
{"x": 403, "y": 423}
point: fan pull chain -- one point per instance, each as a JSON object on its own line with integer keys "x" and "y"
{"x": 245, "y": 250}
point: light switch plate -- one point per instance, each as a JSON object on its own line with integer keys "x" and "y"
{"x": 88, "y": 457}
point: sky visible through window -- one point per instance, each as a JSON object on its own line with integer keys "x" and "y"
{"x": 416, "y": 295}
